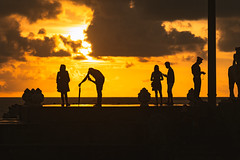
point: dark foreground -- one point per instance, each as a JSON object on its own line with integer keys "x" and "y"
{"x": 172, "y": 133}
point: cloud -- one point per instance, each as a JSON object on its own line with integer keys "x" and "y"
{"x": 73, "y": 44}
{"x": 32, "y": 9}
{"x": 143, "y": 59}
{"x": 80, "y": 58}
{"x": 118, "y": 30}
{"x": 128, "y": 65}
{"x": 12, "y": 44}
{"x": 230, "y": 34}
{"x": 42, "y": 31}
{"x": 188, "y": 58}
{"x": 15, "y": 46}
{"x": 46, "y": 48}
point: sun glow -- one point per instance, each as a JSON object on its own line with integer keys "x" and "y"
{"x": 79, "y": 33}
{"x": 72, "y": 24}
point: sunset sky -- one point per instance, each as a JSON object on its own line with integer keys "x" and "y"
{"x": 123, "y": 39}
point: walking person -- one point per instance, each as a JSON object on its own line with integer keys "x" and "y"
{"x": 156, "y": 79}
{"x": 170, "y": 82}
{"x": 196, "y": 71}
{"x": 62, "y": 84}
{"x": 99, "y": 81}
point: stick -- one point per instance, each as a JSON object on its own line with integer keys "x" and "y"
{"x": 79, "y": 96}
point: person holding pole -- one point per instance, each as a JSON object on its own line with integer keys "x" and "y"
{"x": 99, "y": 81}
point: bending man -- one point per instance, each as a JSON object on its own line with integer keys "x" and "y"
{"x": 99, "y": 81}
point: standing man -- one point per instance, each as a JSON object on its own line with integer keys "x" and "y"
{"x": 99, "y": 81}
{"x": 196, "y": 71}
{"x": 170, "y": 82}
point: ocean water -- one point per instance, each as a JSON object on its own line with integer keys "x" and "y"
{"x": 90, "y": 101}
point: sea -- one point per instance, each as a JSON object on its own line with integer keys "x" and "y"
{"x": 6, "y": 102}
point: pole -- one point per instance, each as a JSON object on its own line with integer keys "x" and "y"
{"x": 212, "y": 52}
{"x": 79, "y": 91}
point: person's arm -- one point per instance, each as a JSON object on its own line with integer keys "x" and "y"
{"x": 91, "y": 80}
{"x": 151, "y": 77}
{"x": 84, "y": 79}
{"x": 203, "y": 73}
{"x": 161, "y": 77}
{"x": 164, "y": 75}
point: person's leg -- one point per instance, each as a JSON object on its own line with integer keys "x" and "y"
{"x": 231, "y": 87}
{"x": 238, "y": 86}
{"x": 62, "y": 97}
{"x": 99, "y": 98}
{"x": 66, "y": 98}
{"x": 168, "y": 91}
{"x": 197, "y": 86}
{"x": 156, "y": 96}
{"x": 170, "y": 95}
{"x": 99, "y": 93}
{"x": 160, "y": 92}
{"x": 231, "y": 82}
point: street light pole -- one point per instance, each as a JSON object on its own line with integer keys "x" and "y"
{"x": 212, "y": 52}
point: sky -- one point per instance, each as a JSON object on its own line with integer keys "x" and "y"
{"x": 124, "y": 39}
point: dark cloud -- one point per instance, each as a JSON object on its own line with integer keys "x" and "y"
{"x": 12, "y": 44}
{"x": 129, "y": 64}
{"x": 228, "y": 24}
{"x": 42, "y": 31}
{"x": 189, "y": 58}
{"x": 229, "y": 34}
{"x": 227, "y": 9}
{"x": 143, "y": 59}
{"x": 73, "y": 44}
{"x": 80, "y": 58}
{"x": 45, "y": 48}
{"x": 32, "y": 9}
{"x": 118, "y": 30}
{"x": 170, "y": 10}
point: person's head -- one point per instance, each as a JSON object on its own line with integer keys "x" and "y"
{"x": 167, "y": 64}
{"x": 156, "y": 68}
{"x": 90, "y": 69}
{"x": 199, "y": 60}
{"x": 62, "y": 68}
{"x": 237, "y": 50}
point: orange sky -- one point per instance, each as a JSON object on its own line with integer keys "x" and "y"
{"x": 125, "y": 76}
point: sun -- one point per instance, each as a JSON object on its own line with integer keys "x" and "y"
{"x": 77, "y": 33}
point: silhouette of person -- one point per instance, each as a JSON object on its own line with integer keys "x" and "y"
{"x": 156, "y": 79}
{"x": 62, "y": 84}
{"x": 234, "y": 74}
{"x": 99, "y": 81}
{"x": 196, "y": 71}
{"x": 170, "y": 82}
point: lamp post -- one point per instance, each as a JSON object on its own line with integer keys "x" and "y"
{"x": 212, "y": 52}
